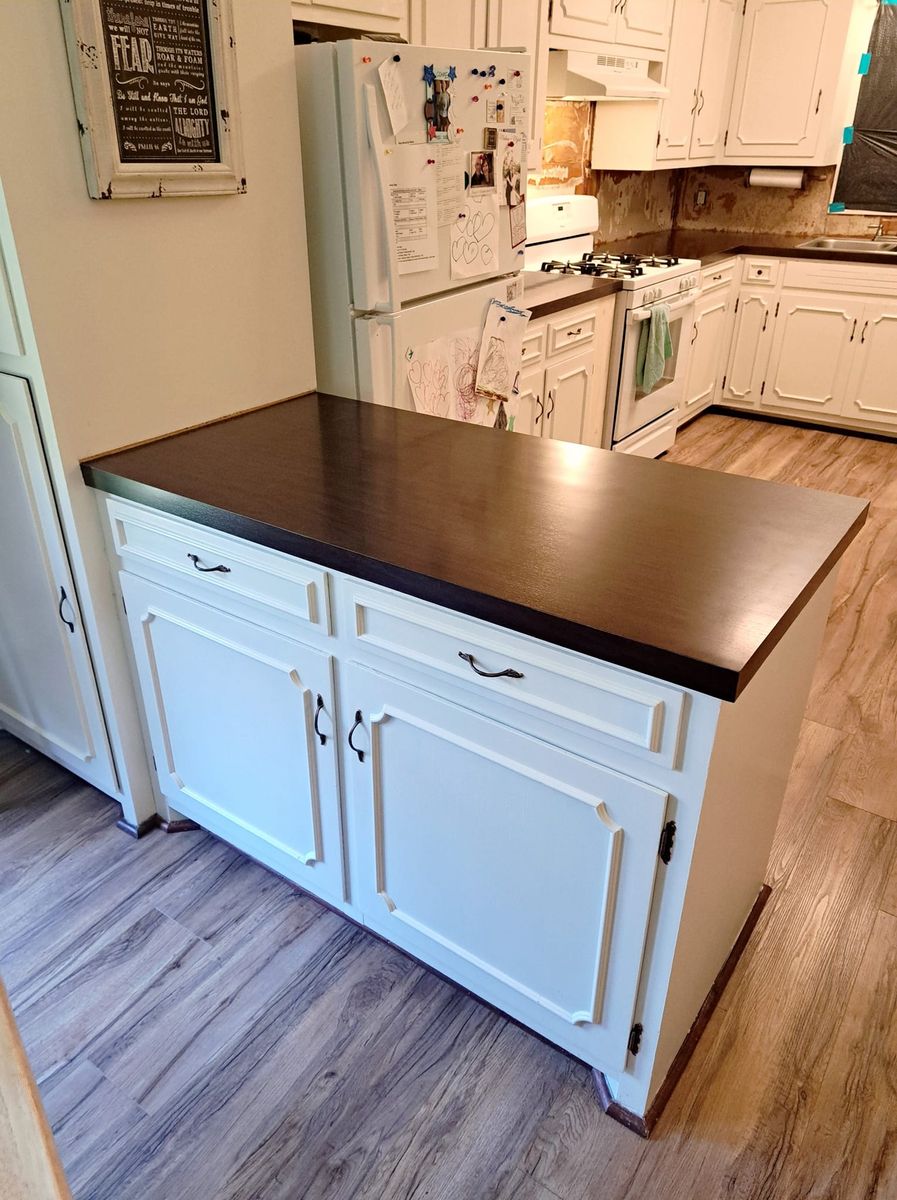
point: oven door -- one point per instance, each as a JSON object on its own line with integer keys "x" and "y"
{"x": 635, "y": 408}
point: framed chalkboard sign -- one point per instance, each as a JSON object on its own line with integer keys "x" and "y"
{"x": 155, "y": 87}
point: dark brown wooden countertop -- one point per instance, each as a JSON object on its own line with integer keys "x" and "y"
{"x": 546, "y": 292}
{"x": 688, "y": 575}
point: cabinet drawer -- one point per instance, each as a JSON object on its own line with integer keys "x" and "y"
{"x": 761, "y": 270}
{"x": 534, "y": 345}
{"x": 145, "y": 538}
{"x": 841, "y": 277}
{"x": 567, "y": 690}
{"x": 575, "y": 330}
{"x": 719, "y": 276}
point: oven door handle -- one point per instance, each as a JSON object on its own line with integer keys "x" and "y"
{"x": 678, "y": 305}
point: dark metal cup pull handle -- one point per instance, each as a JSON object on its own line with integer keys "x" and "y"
{"x": 508, "y": 671}
{"x": 319, "y": 707}
{"x": 194, "y": 558}
{"x": 62, "y": 600}
{"x": 352, "y": 745}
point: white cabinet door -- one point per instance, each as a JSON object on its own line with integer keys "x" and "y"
{"x": 524, "y": 23}
{"x": 374, "y": 16}
{"x": 645, "y": 24}
{"x": 530, "y": 416}
{"x": 871, "y": 392}
{"x": 236, "y": 717}
{"x": 707, "y": 340}
{"x": 749, "y": 352}
{"x": 723, "y": 22}
{"x": 461, "y": 24}
{"x": 459, "y": 821}
{"x": 783, "y": 70}
{"x": 682, "y": 73}
{"x": 569, "y": 397}
{"x": 595, "y": 20}
{"x": 10, "y": 333}
{"x": 48, "y": 693}
{"x": 811, "y": 351}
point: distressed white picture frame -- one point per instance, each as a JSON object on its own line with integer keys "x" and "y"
{"x": 108, "y": 178}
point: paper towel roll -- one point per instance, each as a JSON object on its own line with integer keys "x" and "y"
{"x": 777, "y": 177}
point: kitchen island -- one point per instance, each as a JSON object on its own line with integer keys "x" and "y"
{"x": 525, "y": 709}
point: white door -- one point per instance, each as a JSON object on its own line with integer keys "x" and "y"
{"x": 524, "y": 23}
{"x": 707, "y": 341}
{"x": 781, "y": 75}
{"x": 645, "y": 24}
{"x": 711, "y": 111}
{"x": 682, "y": 72}
{"x": 811, "y": 351}
{"x": 530, "y": 417}
{"x": 595, "y": 20}
{"x": 749, "y": 350}
{"x": 243, "y": 731}
{"x": 458, "y": 819}
{"x": 48, "y": 693}
{"x": 871, "y": 392}
{"x": 569, "y": 397}
{"x": 461, "y": 24}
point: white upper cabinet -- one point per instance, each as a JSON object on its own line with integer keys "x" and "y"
{"x": 677, "y": 114}
{"x": 460, "y": 24}
{"x": 788, "y": 68}
{"x": 374, "y": 16}
{"x": 514, "y": 24}
{"x": 594, "y": 20}
{"x": 644, "y": 23}
{"x": 717, "y": 63}
{"x": 630, "y": 24}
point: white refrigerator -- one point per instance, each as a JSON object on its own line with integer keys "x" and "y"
{"x": 414, "y": 171}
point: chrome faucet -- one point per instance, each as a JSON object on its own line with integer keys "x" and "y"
{"x": 879, "y": 231}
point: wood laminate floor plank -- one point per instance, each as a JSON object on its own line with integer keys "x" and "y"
{"x": 205, "y": 1032}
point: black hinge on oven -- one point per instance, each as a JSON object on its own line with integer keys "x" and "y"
{"x": 667, "y": 837}
{"x": 635, "y": 1039}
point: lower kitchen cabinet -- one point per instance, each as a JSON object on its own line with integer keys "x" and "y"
{"x": 707, "y": 342}
{"x": 749, "y": 349}
{"x": 570, "y": 399}
{"x": 530, "y": 403}
{"x": 476, "y": 846}
{"x": 241, "y": 724}
{"x": 810, "y": 357}
{"x": 871, "y": 394}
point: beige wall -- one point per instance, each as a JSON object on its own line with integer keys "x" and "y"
{"x": 152, "y": 315}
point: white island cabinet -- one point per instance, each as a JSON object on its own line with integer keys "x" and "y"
{"x": 580, "y": 844}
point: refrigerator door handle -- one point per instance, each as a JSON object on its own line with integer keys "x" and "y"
{"x": 378, "y": 150}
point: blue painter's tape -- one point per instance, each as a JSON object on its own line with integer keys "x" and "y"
{"x": 848, "y": 135}
{"x": 889, "y": 1}
{"x": 865, "y": 60}
{"x": 837, "y": 206}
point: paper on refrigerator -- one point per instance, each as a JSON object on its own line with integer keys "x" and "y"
{"x": 450, "y": 192}
{"x": 393, "y": 94}
{"x": 501, "y": 352}
{"x": 428, "y": 378}
{"x": 412, "y": 198}
{"x": 474, "y": 237}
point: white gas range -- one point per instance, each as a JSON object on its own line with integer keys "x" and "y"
{"x": 561, "y": 241}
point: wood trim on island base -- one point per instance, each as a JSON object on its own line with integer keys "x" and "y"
{"x": 644, "y": 1125}
{"x": 138, "y": 831}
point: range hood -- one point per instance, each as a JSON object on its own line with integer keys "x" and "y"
{"x": 578, "y": 75}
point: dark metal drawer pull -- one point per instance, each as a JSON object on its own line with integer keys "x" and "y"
{"x": 63, "y": 598}
{"x": 574, "y": 332}
{"x": 319, "y": 705}
{"x": 194, "y": 558}
{"x": 508, "y": 671}
{"x": 352, "y": 745}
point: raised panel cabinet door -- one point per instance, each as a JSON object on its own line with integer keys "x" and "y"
{"x": 513, "y": 24}
{"x": 523, "y": 871}
{"x": 374, "y": 16}
{"x": 595, "y": 20}
{"x": 677, "y": 111}
{"x": 780, "y": 79}
{"x": 461, "y": 24}
{"x": 569, "y": 397}
{"x": 711, "y": 111}
{"x": 48, "y": 693}
{"x": 707, "y": 339}
{"x": 645, "y": 24}
{"x": 243, "y": 732}
{"x": 811, "y": 351}
{"x": 749, "y": 350}
{"x": 871, "y": 391}
{"x": 530, "y": 415}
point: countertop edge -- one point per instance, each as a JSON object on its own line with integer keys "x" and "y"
{"x": 716, "y": 680}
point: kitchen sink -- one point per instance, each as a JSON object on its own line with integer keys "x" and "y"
{"x": 850, "y": 245}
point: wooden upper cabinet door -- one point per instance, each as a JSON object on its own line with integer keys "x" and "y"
{"x": 524, "y": 23}
{"x": 871, "y": 394}
{"x": 645, "y": 24}
{"x": 720, "y": 42}
{"x": 460, "y": 24}
{"x": 677, "y": 112}
{"x": 781, "y": 78}
{"x": 815, "y": 333}
{"x": 375, "y": 16}
{"x": 594, "y": 20}
{"x": 523, "y": 871}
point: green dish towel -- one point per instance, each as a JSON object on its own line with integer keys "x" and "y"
{"x": 654, "y": 348}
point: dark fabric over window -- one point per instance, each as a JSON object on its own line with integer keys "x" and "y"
{"x": 867, "y": 179}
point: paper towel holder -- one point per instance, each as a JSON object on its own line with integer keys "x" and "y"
{"x": 792, "y": 178}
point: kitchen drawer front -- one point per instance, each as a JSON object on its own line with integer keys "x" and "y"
{"x": 534, "y": 344}
{"x": 761, "y": 270}
{"x": 841, "y": 277}
{"x": 719, "y": 276}
{"x": 577, "y": 328}
{"x": 295, "y": 589}
{"x": 558, "y": 690}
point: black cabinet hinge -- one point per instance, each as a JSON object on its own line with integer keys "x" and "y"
{"x": 762, "y": 387}
{"x": 667, "y": 837}
{"x": 658, "y": 137}
{"x": 726, "y": 139}
{"x": 635, "y": 1039}
{"x": 124, "y": 606}
{"x": 776, "y": 313}
{"x": 723, "y": 384}
{"x": 737, "y": 302}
